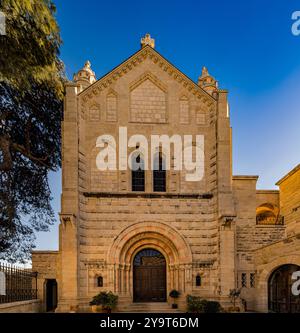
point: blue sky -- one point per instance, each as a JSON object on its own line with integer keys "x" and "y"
{"x": 247, "y": 46}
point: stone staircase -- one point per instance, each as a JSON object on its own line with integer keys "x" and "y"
{"x": 155, "y": 307}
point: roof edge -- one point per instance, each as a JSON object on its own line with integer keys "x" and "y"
{"x": 288, "y": 175}
{"x": 45, "y": 251}
{"x": 147, "y": 47}
{"x": 245, "y": 177}
{"x": 267, "y": 191}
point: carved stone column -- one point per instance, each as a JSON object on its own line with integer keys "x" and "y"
{"x": 188, "y": 278}
{"x": 171, "y": 278}
{"x": 110, "y": 281}
{"x": 126, "y": 280}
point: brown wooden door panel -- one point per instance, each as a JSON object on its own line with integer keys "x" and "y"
{"x": 149, "y": 281}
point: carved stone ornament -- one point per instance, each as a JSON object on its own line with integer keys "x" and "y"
{"x": 67, "y": 219}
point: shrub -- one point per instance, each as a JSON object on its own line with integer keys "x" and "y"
{"x": 197, "y": 305}
{"x": 108, "y": 300}
{"x": 174, "y": 293}
{"x": 213, "y": 307}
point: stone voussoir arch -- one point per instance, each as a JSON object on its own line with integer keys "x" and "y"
{"x": 275, "y": 264}
{"x": 148, "y": 240}
{"x": 264, "y": 273}
{"x": 143, "y": 234}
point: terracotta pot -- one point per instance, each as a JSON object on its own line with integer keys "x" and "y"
{"x": 106, "y": 309}
{"x": 234, "y": 309}
{"x": 97, "y": 309}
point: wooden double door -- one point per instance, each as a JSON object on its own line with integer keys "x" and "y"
{"x": 281, "y": 298}
{"x": 149, "y": 277}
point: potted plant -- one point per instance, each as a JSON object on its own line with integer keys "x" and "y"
{"x": 104, "y": 302}
{"x": 234, "y": 294}
{"x": 174, "y": 294}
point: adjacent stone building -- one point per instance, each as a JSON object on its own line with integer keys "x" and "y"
{"x": 143, "y": 233}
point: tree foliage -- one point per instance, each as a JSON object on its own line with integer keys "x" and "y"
{"x": 29, "y": 51}
{"x": 31, "y": 92}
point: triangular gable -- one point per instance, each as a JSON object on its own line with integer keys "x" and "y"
{"x": 133, "y": 61}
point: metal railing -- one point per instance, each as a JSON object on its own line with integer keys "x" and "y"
{"x": 17, "y": 284}
{"x": 276, "y": 220}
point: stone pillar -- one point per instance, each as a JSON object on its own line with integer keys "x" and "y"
{"x": 130, "y": 274}
{"x": 117, "y": 278}
{"x": 227, "y": 256}
{"x": 177, "y": 286}
{"x": 224, "y": 158}
{"x": 225, "y": 204}
{"x": 68, "y": 229}
{"x": 188, "y": 278}
{"x": 171, "y": 279}
{"x": 68, "y": 296}
{"x": 122, "y": 279}
{"x": 127, "y": 280}
{"x": 111, "y": 277}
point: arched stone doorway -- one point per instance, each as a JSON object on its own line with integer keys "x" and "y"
{"x": 281, "y": 298}
{"x": 149, "y": 276}
{"x": 149, "y": 235}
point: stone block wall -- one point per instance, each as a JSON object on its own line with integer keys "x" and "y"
{"x": 104, "y": 218}
{"x": 47, "y": 264}
{"x": 249, "y": 235}
{"x": 31, "y": 306}
{"x": 148, "y": 103}
{"x": 269, "y": 258}
{"x": 290, "y": 200}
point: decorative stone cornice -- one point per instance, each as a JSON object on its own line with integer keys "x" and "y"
{"x": 227, "y": 221}
{"x": 95, "y": 264}
{"x": 147, "y": 195}
{"x": 146, "y": 52}
{"x": 203, "y": 264}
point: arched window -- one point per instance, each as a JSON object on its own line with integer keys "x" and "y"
{"x": 268, "y": 213}
{"x": 159, "y": 173}
{"x": 99, "y": 281}
{"x": 198, "y": 280}
{"x": 137, "y": 173}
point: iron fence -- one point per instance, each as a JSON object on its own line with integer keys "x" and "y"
{"x": 17, "y": 284}
{"x": 272, "y": 220}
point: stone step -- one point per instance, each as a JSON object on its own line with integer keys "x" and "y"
{"x": 157, "y": 307}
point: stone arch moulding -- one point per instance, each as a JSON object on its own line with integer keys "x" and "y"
{"x": 157, "y": 235}
{"x": 272, "y": 266}
{"x": 264, "y": 275}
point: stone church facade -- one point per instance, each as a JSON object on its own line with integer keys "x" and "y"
{"x": 140, "y": 241}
